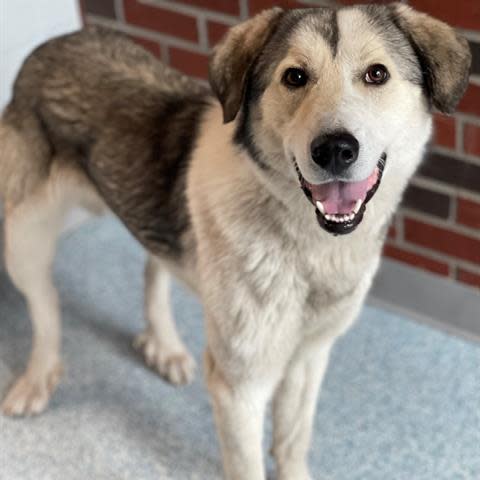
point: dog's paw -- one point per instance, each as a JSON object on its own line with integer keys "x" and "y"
{"x": 30, "y": 393}
{"x": 294, "y": 471}
{"x": 288, "y": 476}
{"x": 176, "y": 366}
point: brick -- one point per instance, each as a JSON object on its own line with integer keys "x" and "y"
{"x": 427, "y": 201}
{"x": 471, "y": 139}
{"x": 150, "y": 45}
{"x": 103, "y": 8}
{"x": 259, "y": 5}
{"x": 161, "y": 20}
{"x": 191, "y": 63}
{"x": 475, "y": 49}
{"x": 470, "y": 102}
{"x": 451, "y": 171}
{"x": 468, "y": 213}
{"x": 230, "y": 7}
{"x": 392, "y": 232}
{"x": 444, "y": 131}
{"x": 460, "y": 13}
{"x": 442, "y": 240}
{"x": 416, "y": 260}
{"x": 470, "y": 278}
{"x": 216, "y": 31}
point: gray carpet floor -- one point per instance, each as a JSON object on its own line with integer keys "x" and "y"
{"x": 401, "y": 401}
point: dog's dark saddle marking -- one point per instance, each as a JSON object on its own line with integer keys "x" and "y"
{"x": 108, "y": 106}
{"x": 147, "y": 189}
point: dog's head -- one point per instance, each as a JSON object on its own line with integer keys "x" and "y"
{"x": 339, "y": 98}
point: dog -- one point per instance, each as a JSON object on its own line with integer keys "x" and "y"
{"x": 269, "y": 194}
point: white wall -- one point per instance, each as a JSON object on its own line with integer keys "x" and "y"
{"x": 24, "y": 24}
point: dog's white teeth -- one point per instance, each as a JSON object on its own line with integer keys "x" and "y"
{"x": 339, "y": 218}
{"x": 357, "y": 207}
{"x": 321, "y": 207}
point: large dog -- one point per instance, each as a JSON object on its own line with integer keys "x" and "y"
{"x": 271, "y": 198}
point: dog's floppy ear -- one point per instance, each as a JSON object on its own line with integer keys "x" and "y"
{"x": 234, "y": 55}
{"x": 444, "y": 56}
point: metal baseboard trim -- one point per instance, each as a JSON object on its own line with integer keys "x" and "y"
{"x": 436, "y": 301}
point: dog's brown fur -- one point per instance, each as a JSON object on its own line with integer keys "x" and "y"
{"x": 101, "y": 104}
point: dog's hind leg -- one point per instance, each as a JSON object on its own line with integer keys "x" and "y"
{"x": 31, "y": 229}
{"x": 161, "y": 344}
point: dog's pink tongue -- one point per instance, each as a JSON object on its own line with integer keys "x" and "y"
{"x": 341, "y": 197}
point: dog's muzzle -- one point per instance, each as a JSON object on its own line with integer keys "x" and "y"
{"x": 340, "y": 206}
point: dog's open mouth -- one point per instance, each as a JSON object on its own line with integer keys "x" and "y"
{"x": 340, "y": 206}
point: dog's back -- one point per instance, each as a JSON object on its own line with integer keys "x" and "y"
{"x": 99, "y": 102}
{"x": 79, "y": 81}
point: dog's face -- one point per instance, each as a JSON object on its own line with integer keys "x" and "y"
{"x": 329, "y": 97}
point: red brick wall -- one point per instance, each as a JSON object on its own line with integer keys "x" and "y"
{"x": 438, "y": 226}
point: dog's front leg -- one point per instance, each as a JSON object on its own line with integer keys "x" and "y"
{"x": 161, "y": 344}
{"x": 239, "y": 409}
{"x": 294, "y": 410}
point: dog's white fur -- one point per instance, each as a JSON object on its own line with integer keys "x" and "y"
{"x": 277, "y": 290}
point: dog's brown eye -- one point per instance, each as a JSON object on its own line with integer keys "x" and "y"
{"x": 295, "y": 77}
{"x": 376, "y": 75}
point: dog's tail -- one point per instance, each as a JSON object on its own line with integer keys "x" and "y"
{"x": 22, "y": 156}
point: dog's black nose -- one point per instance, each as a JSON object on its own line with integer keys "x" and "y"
{"x": 335, "y": 152}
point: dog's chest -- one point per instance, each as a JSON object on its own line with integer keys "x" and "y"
{"x": 303, "y": 283}
{"x": 282, "y": 297}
